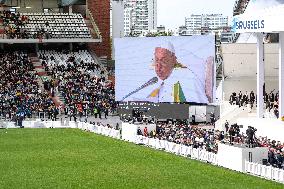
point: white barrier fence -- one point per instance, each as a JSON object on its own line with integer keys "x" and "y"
{"x": 264, "y": 171}
{"x": 110, "y": 132}
{"x": 178, "y": 149}
{"x": 267, "y": 172}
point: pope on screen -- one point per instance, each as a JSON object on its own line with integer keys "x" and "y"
{"x": 175, "y": 81}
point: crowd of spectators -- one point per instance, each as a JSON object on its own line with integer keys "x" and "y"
{"x": 13, "y": 24}
{"x": 276, "y": 149}
{"x": 275, "y": 153}
{"x": 83, "y": 85}
{"x": 248, "y": 100}
{"x": 84, "y": 92}
{"x": 20, "y": 94}
{"x": 182, "y": 133}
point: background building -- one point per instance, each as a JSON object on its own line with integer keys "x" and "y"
{"x": 182, "y": 30}
{"x": 140, "y": 17}
{"x": 205, "y": 23}
{"x": 117, "y": 18}
{"x": 117, "y": 21}
{"x": 161, "y": 28}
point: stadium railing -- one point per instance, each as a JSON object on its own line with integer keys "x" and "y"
{"x": 95, "y": 27}
{"x": 264, "y": 171}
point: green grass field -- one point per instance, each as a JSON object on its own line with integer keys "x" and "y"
{"x": 70, "y": 158}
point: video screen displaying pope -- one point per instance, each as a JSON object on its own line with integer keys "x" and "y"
{"x": 165, "y": 69}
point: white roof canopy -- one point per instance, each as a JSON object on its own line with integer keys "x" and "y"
{"x": 265, "y": 20}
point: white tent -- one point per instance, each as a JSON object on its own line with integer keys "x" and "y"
{"x": 266, "y": 20}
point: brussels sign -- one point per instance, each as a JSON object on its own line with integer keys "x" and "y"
{"x": 254, "y": 23}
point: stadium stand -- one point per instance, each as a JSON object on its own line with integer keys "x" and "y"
{"x": 21, "y": 95}
{"x": 25, "y": 94}
{"x": 88, "y": 91}
{"x": 44, "y": 25}
{"x": 58, "y": 25}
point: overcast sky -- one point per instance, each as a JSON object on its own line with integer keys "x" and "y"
{"x": 171, "y": 13}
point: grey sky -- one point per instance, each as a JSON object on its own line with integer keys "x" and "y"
{"x": 171, "y": 13}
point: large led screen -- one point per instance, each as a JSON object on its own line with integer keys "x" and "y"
{"x": 165, "y": 69}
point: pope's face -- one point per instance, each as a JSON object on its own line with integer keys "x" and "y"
{"x": 164, "y": 62}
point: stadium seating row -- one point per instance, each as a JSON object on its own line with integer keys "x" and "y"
{"x": 55, "y": 58}
{"x": 45, "y": 26}
{"x": 65, "y": 23}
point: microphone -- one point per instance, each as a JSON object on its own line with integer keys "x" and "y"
{"x": 148, "y": 83}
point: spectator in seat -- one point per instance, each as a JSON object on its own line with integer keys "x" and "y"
{"x": 146, "y": 132}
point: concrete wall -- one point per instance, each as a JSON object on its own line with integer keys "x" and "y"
{"x": 117, "y": 19}
{"x": 117, "y": 22}
{"x": 240, "y": 67}
{"x": 101, "y": 13}
{"x": 240, "y": 60}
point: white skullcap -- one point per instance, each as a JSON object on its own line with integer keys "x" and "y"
{"x": 167, "y": 45}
